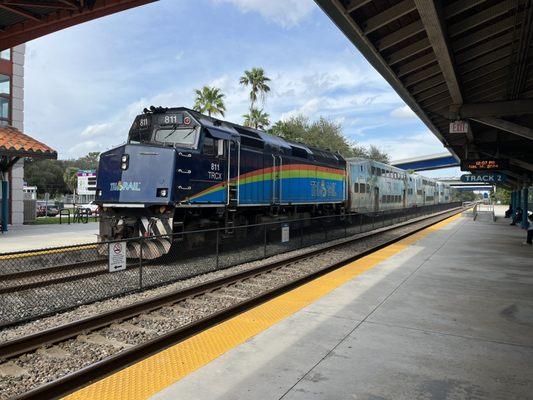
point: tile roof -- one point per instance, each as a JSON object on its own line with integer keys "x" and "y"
{"x": 15, "y": 143}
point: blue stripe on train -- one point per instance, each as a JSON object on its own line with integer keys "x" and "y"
{"x": 293, "y": 190}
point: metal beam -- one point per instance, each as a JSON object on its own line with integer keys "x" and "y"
{"x": 485, "y": 33}
{"x": 458, "y": 7}
{"x": 38, "y": 4}
{"x": 416, "y": 64}
{"x": 420, "y": 76}
{"x": 427, "y": 94}
{"x": 355, "y": 4}
{"x": 427, "y": 84}
{"x": 496, "y": 76}
{"x": 479, "y": 18}
{"x": 21, "y": 12}
{"x": 390, "y": 14}
{"x": 488, "y": 69}
{"x": 28, "y": 30}
{"x": 431, "y": 20}
{"x": 506, "y": 126}
{"x": 408, "y": 51}
{"x": 496, "y": 109}
{"x": 400, "y": 35}
{"x": 487, "y": 59}
{"x": 484, "y": 48}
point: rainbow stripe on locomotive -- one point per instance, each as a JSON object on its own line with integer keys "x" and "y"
{"x": 181, "y": 170}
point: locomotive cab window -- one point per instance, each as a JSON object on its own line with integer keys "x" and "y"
{"x": 177, "y": 137}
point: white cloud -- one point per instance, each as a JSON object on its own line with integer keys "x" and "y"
{"x": 85, "y": 147}
{"x": 95, "y": 130}
{"x": 286, "y": 13}
{"x": 406, "y": 146}
{"x": 403, "y": 112}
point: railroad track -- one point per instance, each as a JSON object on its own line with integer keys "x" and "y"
{"x": 126, "y": 335}
{"x": 31, "y": 279}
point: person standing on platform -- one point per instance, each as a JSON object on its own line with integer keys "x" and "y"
{"x": 529, "y": 239}
{"x": 517, "y": 216}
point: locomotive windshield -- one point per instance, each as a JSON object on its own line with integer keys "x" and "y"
{"x": 180, "y": 137}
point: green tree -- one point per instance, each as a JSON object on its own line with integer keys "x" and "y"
{"x": 90, "y": 161}
{"x": 256, "y": 119}
{"x": 70, "y": 178}
{"x": 257, "y": 80}
{"x": 324, "y": 134}
{"x": 374, "y": 153}
{"x": 47, "y": 175}
{"x": 209, "y": 100}
{"x": 502, "y": 195}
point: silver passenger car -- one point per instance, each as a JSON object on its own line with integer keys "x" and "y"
{"x": 373, "y": 187}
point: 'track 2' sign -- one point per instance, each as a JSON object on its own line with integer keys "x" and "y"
{"x": 490, "y": 178}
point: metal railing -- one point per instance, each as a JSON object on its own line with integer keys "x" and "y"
{"x": 41, "y": 282}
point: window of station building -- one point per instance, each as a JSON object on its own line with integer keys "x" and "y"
{"x": 5, "y": 54}
{"x": 356, "y": 187}
{"x": 362, "y": 188}
{"x": 5, "y": 85}
{"x": 4, "y": 110}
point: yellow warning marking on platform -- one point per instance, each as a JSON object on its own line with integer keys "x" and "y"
{"x": 29, "y": 253}
{"x": 153, "y": 374}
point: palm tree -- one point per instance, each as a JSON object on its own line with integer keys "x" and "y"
{"x": 256, "y": 119}
{"x": 209, "y": 100}
{"x": 258, "y": 81}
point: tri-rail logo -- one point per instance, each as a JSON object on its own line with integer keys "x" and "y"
{"x": 123, "y": 186}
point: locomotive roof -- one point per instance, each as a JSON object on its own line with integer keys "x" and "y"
{"x": 222, "y": 127}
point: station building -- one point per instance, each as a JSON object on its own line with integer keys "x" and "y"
{"x": 14, "y": 144}
{"x": 12, "y": 113}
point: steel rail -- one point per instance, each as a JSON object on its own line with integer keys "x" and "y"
{"x": 121, "y": 360}
{"x": 53, "y": 335}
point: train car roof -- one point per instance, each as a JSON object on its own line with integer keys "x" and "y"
{"x": 352, "y": 160}
{"x": 224, "y": 130}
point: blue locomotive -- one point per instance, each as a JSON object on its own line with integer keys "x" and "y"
{"x": 182, "y": 170}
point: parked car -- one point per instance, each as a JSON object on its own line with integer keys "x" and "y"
{"x": 47, "y": 211}
{"x": 91, "y": 207}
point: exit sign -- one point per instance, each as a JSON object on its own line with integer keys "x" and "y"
{"x": 459, "y": 127}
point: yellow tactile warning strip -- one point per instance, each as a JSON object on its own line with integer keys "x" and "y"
{"x": 25, "y": 253}
{"x": 155, "y": 373}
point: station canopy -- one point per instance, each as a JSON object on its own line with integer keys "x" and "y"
{"x": 455, "y": 61}
{"x": 25, "y": 20}
{"x": 15, "y": 145}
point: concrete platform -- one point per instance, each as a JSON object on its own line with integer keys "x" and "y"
{"x": 448, "y": 317}
{"x": 32, "y": 237}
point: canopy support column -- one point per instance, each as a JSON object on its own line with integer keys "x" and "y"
{"x": 524, "y": 193}
{"x": 4, "y": 214}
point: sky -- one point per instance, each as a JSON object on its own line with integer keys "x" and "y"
{"x": 84, "y": 85}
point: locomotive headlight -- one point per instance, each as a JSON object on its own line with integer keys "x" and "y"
{"x": 99, "y": 192}
{"x": 162, "y": 192}
{"x": 124, "y": 166}
{"x": 124, "y": 158}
